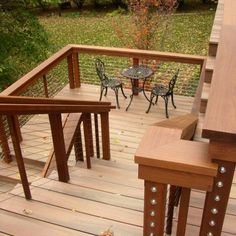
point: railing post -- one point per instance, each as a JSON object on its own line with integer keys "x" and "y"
{"x": 105, "y": 135}
{"x": 97, "y": 135}
{"x": 45, "y": 85}
{"x": 19, "y": 158}
{"x": 4, "y": 143}
{"x": 70, "y": 71}
{"x": 59, "y": 146}
{"x": 216, "y": 201}
{"x": 76, "y": 70}
{"x": 136, "y": 83}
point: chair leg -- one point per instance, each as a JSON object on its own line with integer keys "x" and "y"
{"x": 172, "y": 100}
{"x": 121, "y": 87}
{"x": 102, "y": 88}
{"x": 150, "y": 103}
{"x": 105, "y": 91}
{"x": 166, "y": 105}
{"x": 156, "y": 99}
{"x": 117, "y": 100}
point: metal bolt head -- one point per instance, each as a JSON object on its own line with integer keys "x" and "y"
{"x": 220, "y": 184}
{"x": 210, "y": 234}
{"x": 214, "y": 211}
{"x": 152, "y": 213}
{"x": 222, "y": 169}
{"x": 217, "y": 198}
{"x": 153, "y": 201}
{"x": 152, "y": 224}
{"x": 153, "y": 189}
{"x": 212, "y": 223}
{"x": 151, "y": 234}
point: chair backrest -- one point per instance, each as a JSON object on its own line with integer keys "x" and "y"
{"x": 172, "y": 82}
{"x": 100, "y": 69}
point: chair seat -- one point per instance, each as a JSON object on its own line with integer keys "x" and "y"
{"x": 159, "y": 90}
{"x": 112, "y": 83}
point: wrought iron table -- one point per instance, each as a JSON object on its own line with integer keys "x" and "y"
{"x": 136, "y": 73}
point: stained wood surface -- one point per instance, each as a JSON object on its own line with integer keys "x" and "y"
{"x": 221, "y": 109}
{"x": 112, "y": 184}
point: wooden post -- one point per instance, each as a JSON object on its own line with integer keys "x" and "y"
{"x": 78, "y": 147}
{"x": 19, "y": 158}
{"x": 45, "y": 85}
{"x": 183, "y": 211}
{"x": 87, "y": 138}
{"x": 4, "y": 143}
{"x": 136, "y": 83}
{"x": 97, "y": 135}
{"x": 105, "y": 135}
{"x": 154, "y": 208}
{"x": 76, "y": 70}
{"x": 70, "y": 71}
{"x": 59, "y": 146}
{"x": 217, "y": 200}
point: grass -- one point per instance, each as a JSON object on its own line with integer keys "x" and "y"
{"x": 189, "y": 32}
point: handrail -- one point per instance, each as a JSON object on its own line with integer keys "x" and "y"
{"x": 37, "y": 72}
{"x": 71, "y": 52}
{"x": 137, "y": 53}
{"x": 33, "y": 100}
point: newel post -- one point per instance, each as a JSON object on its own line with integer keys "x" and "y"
{"x": 73, "y": 70}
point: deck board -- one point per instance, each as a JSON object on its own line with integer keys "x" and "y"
{"x": 110, "y": 194}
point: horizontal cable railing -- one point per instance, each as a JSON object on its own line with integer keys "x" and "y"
{"x": 74, "y": 64}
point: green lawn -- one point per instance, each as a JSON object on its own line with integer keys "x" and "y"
{"x": 189, "y": 32}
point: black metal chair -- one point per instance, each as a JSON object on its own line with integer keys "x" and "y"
{"x": 164, "y": 92}
{"x": 107, "y": 82}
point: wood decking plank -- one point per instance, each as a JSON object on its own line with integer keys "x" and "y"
{"x": 22, "y": 225}
{"x": 91, "y": 194}
{"x": 68, "y": 218}
{"x": 106, "y": 186}
{"x": 85, "y": 206}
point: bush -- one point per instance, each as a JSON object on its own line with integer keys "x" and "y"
{"x": 23, "y": 40}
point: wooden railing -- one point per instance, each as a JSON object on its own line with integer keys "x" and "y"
{"x": 71, "y": 55}
{"x": 11, "y": 106}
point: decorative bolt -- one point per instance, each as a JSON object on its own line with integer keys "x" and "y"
{"x": 152, "y": 224}
{"x": 210, "y": 234}
{"x": 222, "y": 170}
{"x": 153, "y": 202}
{"x": 214, "y": 211}
{"x": 217, "y": 198}
{"x": 152, "y": 213}
{"x": 151, "y": 234}
{"x": 154, "y": 189}
{"x": 220, "y": 184}
{"x": 212, "y": 223}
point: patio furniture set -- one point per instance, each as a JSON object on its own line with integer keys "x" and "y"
{"x": 136, "y": 73}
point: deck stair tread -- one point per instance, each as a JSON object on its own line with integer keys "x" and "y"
{"x": 80, "y": 214}
{"x": 22, "y": 225}
{"x": 210, "y": 63}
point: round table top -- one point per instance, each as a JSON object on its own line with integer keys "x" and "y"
{"x": 137, "y": 72}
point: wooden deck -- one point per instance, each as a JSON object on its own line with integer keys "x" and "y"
{"x": 109, "y": 195}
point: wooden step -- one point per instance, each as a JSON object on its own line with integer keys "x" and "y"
{"x": 209, "y": 69}
{"x": 204, "y": 97}
{"x": 215, "y": 33}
